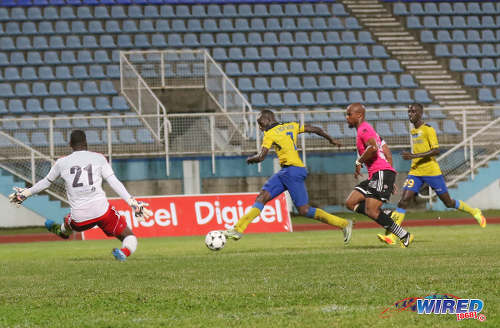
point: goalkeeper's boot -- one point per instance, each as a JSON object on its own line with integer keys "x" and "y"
{"x": 406, "y": 240}
{"x": 55, "y": 228}
{"x": 119, "y": 255}
{"x": 478, "y": 215}
{"x": 347, "y": 231}
{"x": 232, "y": 234}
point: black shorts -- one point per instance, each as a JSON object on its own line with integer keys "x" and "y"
{"x": 380, "y": 186}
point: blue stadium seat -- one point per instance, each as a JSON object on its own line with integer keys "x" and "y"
{"x": 23, "y": 137}
{"x": 56, "y": 89}
{"x": 383, "y": 129}
{"x": 33, "y": 106}
{"x": 158, "y": 41}
{"x": 323, "y": 98}
{"x": 12, "y": 74}
{"x": 359, "y": 66}
{"x": 487, "y": 79}
{"x": 435, "y": 125}
{"x": 292, "y": 83}
{"x": 85, "y": 104}
{"x": 68, "y": 105}
{"x": 144, "y": 136}
{"x": 126, "y": 136}
{"x": 403, "y": 97}
{"x": 22, "y": 90}
{"x": 325, "y": 82}
{"x": 290, "y": 99}
{"x": 407, "y": 81}
{"x": 102, "y": 104}
{"x": 113, "y": 71}
{"x": 274, "y": 99}
{"x": 338, "y": 10}
{"x": 119, "y": 103}
{"x": 267, "y": 53}
{"x": 277, "y": 84}
{"x": 80, "y": 72}
{"x": 421, "y": 96}
{"x": 470, "y": 79}
{"x": 456, "y": 65}
{"x": 258, "y": 99}
{"x": 485, "y": 95}
{"x": 342, "y": 82}
{"x": 392, "y": 65}
{"x": 328, "y": 67}
{"x": 389, "y": 81}
{"x": 358, "y": 82}
{"x": 333, "y": 129}
{"x": 50, "y": 105}
{"x": 15, "y": 106}
{"x": 399, "y": 129}
{"x": 73, "y": 88}
{"x": 355, "y": 97}
{"x": 373, "y": 81}
{"x": 371, "y": 97}
{"x": 309, "y": 83}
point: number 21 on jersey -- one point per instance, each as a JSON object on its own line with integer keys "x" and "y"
{"x": 77, "y": 171}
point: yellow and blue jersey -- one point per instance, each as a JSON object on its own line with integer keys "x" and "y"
{"x": 424, "y": 139}
{"x": 283, "y": 137}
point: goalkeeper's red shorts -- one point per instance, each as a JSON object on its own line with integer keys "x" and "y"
{"x": 111, "y": 222}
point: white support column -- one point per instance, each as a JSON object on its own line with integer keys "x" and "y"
{"x": 191, "y": 177}
{"x": 276, "y": 165}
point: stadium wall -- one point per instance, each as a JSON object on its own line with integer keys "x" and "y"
{"x": 13, "y": 216}
{"x": 483, "y": 191}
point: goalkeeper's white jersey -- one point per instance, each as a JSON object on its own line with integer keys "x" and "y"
{"x": 83, "y": 172}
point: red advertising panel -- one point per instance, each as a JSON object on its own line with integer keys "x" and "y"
{"x": 199, "y": 214}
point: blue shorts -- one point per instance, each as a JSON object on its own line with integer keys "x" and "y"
{"x": 415, "y": 182}
{"x": 289, "y": 178}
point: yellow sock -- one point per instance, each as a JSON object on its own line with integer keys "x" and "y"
{"x": 398, "y": 217}
{"x": 245, "y": 220}
{"x": 465, "y": 208}
{"x": 330, "y": 219}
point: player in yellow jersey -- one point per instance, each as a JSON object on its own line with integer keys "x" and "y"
{"x": 425, "y": 169}
{"x": 291, "y": 177}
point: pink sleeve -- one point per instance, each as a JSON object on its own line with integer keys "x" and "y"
{"x": 366, "y": 133}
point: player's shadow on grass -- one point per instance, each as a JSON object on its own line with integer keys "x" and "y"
{"x": 367, "y": 247}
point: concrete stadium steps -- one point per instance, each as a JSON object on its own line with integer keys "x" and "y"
{"x": 41, "y": 204}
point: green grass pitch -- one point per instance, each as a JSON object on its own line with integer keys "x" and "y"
{"x": 306, "y": 279}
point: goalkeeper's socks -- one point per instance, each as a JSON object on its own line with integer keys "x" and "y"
{"x": 245, "y": 220}
{"x": 328, "y": 218}
{"x": 129, "y": 245}
{"x": 464, "y": 207}
{"x": 125, "y": 251}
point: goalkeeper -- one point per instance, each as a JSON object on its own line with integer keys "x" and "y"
{"x": 82, "y": 172}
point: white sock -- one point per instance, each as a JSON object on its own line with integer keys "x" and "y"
{"x": 130, "y": 243}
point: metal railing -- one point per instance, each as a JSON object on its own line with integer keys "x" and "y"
{"x": 466, "y": 157}
{"x": 181, "y": 69}
{"x": 211, "y": 134}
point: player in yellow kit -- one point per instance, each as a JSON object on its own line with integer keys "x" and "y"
{"x": 425, "y": 169}
{"x": 291, "y": 177}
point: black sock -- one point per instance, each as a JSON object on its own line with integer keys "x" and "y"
{"x": 385, "y": 221}
{"x": 361, "y": 208}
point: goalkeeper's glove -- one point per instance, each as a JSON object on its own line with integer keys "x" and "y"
{"x": 141, "y": 212}
{"x": 19, "y": 195}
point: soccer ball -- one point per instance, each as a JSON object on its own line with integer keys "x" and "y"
{"x": 215, "y": 240}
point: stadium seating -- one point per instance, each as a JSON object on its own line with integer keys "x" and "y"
{"x": 68, "y": 50}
